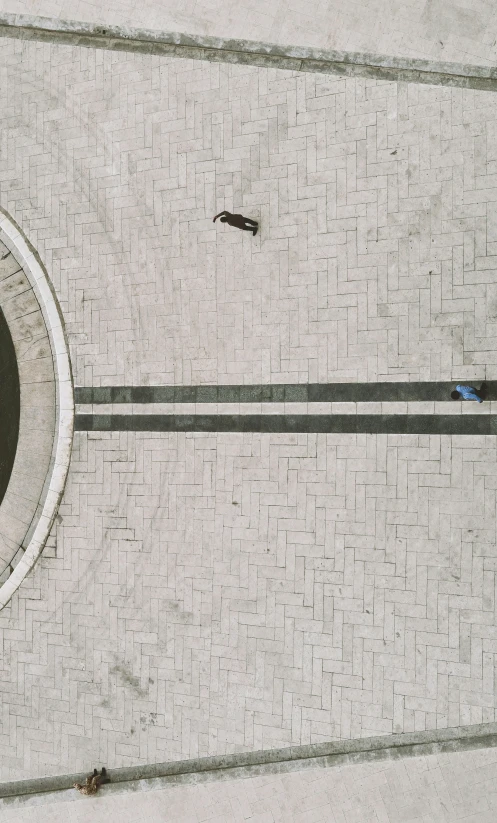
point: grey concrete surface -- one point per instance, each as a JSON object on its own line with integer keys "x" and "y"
{"x": 440, "y": 30}
{"x": 451, "y": 788}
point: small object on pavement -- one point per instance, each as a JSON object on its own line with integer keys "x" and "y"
{"x": 93, "y": 782}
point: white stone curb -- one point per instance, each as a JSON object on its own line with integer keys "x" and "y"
{"x": 25, "y": 254}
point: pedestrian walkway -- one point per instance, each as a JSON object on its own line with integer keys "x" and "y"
{"x": 209, "y": 592}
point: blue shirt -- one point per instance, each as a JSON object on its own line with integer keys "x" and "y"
{"x": 468, "y": 393}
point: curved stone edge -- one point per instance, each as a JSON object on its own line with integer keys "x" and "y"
{"x": 15, "y": 240}
{"x": 24, "y": 495}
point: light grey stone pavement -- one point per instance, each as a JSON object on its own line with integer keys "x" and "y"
{"x": 377, "y": 249}
{"x": 204, "y": 594}
{"x": 437, "y": 789}
{"x": 37, "y": 423}
{"x": 224, "y": 593}
{"x": 463, "y": 32}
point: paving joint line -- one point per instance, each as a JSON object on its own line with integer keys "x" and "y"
{"x": 247, "y": 52}
{"x": 246, "y": 764}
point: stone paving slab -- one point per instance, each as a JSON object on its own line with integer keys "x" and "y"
{"x": 248, "y": 52}
{"x": 221, "y": 593}
{"x": 441, "y": 30}
{"x": 214, "y": 593}
{"x": 154, "y": 776}
{"x": 449, "y": 788}
{"x": 376, "y": 255}
{"x": 389, "y": 408}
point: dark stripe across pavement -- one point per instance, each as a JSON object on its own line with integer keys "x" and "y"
{"x": 276, "y": 393}
{"x": 292, "y": 423}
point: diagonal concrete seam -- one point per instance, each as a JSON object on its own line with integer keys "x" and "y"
{"x": 247, "y": 52}
{"x": 246, "y": 764}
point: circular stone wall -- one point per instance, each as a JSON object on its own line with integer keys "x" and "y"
{"x": 41, "y": 452}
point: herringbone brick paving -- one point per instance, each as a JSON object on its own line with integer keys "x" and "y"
{"x": 219, "y": 593}
{"x": 377, "y": 251}
{"x": 212, "y": 593}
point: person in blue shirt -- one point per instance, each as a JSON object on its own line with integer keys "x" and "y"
{"x": 469, "y": 393}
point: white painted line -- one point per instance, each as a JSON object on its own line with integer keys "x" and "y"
{"x": 424, "y": 407}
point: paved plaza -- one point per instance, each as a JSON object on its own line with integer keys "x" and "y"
{"x": 376, "y": 252}
{"x": 219, "y": 592}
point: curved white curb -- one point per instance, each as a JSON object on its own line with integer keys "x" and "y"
{"x": 12, "y": 237}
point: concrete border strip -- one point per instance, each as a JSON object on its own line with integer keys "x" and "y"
{"x": 238, "y": 766}
{"x": 425, "y": 407}
{"x": 290, "y": 423}
{"x": 247, "y": 52}
{"x": 393, "y": 391}
{"x": 15, "y": 240}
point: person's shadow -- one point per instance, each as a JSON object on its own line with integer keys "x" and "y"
{"x": 490, "y": 389}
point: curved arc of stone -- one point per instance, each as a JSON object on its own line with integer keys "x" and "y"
{"x": 10, "y": 418}
{"x": 12, "y": 236}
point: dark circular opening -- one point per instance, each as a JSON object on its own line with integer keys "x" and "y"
{"x": 10, "y": 405}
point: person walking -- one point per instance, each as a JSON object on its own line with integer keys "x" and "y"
{"x": 470, "y": 393}
{"x": 238, "y": 221}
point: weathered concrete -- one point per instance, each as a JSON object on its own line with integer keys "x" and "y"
{"x": 449, "y": 787}
{"x": 291, "y": 58}
{"x": 463, "y": 32}
{"x": 296, "y": 758}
